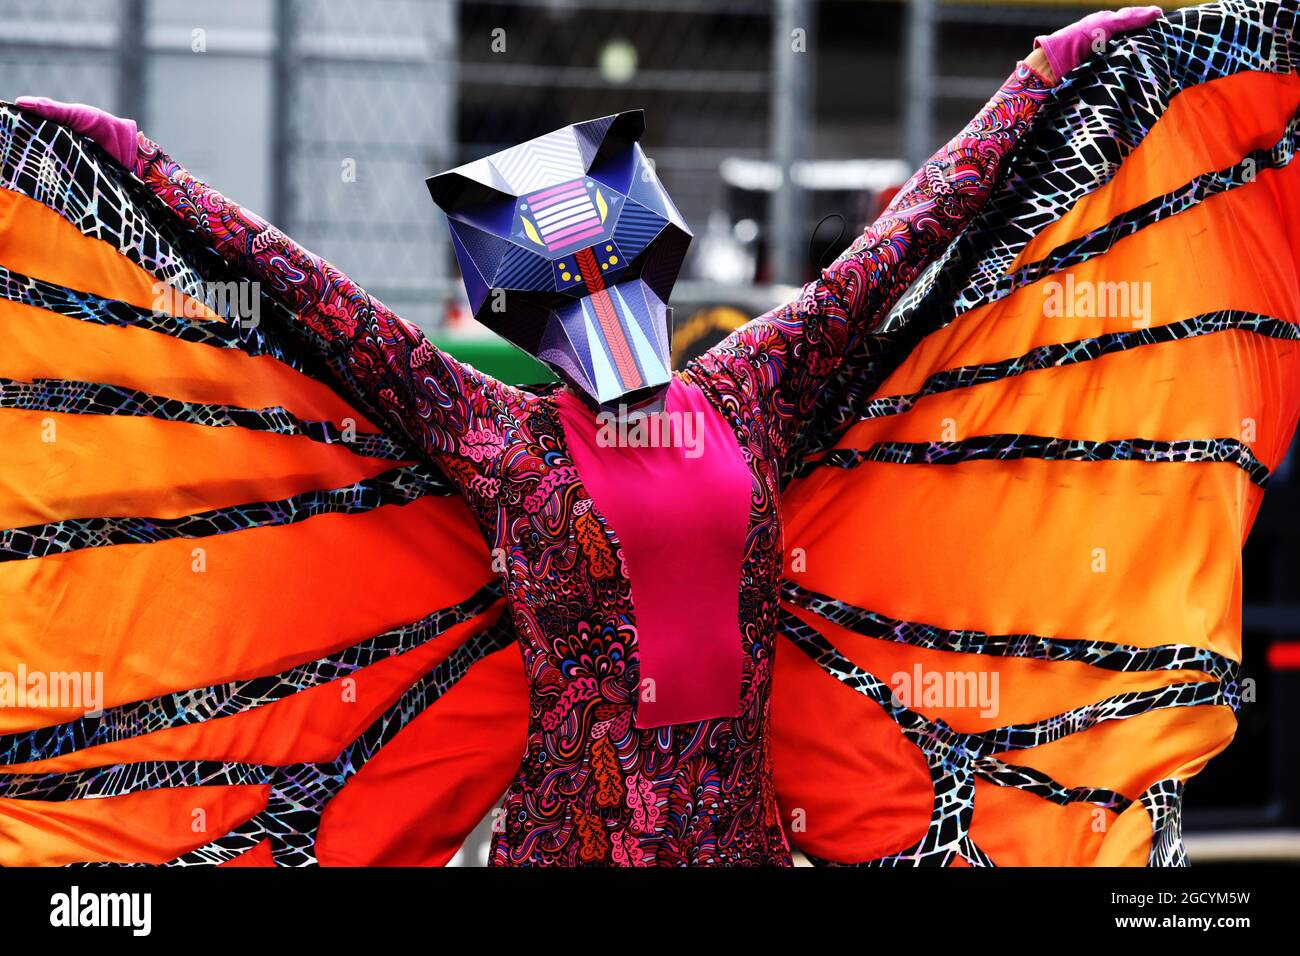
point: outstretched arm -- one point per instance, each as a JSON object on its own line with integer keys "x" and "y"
{"x": 447, "y": 410}
{"x": 777, "y": 364}
{"x": 779, "y": 361}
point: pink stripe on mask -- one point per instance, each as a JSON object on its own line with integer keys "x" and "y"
{"x": 556, "y": 200}
{"x": 554, "y": 189}
{"x": 564, "y": 239}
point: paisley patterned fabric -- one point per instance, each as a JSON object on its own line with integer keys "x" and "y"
{"x": 592, "y": 788}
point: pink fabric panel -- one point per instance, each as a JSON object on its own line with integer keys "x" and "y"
{"x": 681, "y": 515}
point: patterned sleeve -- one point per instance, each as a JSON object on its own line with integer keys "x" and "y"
{"x": 777, "y": 364}
{"x": 448, "y": 410}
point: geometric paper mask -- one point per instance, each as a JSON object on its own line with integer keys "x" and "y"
{"x": 569, "y": 247}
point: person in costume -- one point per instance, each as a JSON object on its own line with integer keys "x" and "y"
{"x": 642, "y": 578}
{"x": 639, "y": 704}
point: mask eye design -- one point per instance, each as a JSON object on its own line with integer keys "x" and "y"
{"x": 563, "y": 216}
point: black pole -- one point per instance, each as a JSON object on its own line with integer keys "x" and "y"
{"x": 281, "y": 104}
{"x": 131, "y": 51}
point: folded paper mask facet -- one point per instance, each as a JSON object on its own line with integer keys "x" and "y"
{"x": 569, "y": 246}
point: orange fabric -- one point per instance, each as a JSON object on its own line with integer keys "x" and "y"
{"x": 410, "y": 806}
{"x": 1246, "y": 111}
{"x": 856, "y": 793}
{"x": 312, "y": 725}
{"x": 1173, "y": 743}
{"x": 1112, "y": 551}
{"x": 444, "y": 767}
{"x": 1045, "y": 834}
{"x": 37, "y": 241}
{"x": 1254, "y": 253}
{"x": 1080, "y": 401}
{"x": 1018, "y": 690}
{"x": 159, "y": 468}
{"x": 38, "y": 344}
{"x": 177, "y": 632}
{"x": 259, "y": 855}
{"x": 1020, "y": 829}
{"x": 1011, "y": 547}
{"x": 148, "y": 827}
{"x": 1129, "y": 839}
{"x": 186, "y": 613}
{"x": 31, "y": 231}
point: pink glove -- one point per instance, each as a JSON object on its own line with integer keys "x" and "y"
{"x": 1068, "y": 47}
{"x": 116, "y": 135}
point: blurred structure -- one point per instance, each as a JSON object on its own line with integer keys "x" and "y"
{"x": 763, "y": 116}
{"x": 326, "y": 115}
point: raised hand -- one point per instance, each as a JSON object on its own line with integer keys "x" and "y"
{"x": 1069, "y": 46}
{"x": 116, "y": 135}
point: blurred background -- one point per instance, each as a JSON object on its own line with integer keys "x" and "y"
{"x": 763, "y": 117}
